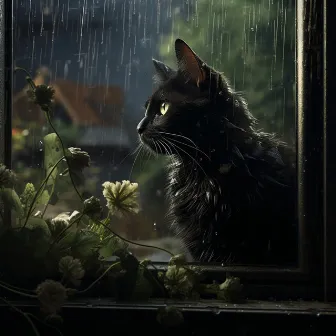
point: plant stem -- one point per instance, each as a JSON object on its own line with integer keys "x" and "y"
{"x": 17, "y": 288}
{"x": 154, "y": 277}
{"x": 24, "y": 70}
{"x": 47, "y": 112}
{"x": 132, "y": 242}
{"x": 105, "y": 272}
{"x": 40, "y": 189}
{"x": 64, "y": 152}
{"x": 17, "y": 292}
{"x": 44, "y": 323}
{"x": 46, "y": 206}
{"x": 26, "y": 316}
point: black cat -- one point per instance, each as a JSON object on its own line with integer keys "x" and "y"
{"x": 232, "y": 188}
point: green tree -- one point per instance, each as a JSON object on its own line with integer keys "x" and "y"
{"x": 253, "y": 43}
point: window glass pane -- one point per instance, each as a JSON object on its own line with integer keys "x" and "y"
{"x": 232, "y": 185}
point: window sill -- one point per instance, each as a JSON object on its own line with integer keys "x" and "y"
{"x": 208, "y": 306}
{"x": 200, "y": 318}
{"x": 214, "y": 306}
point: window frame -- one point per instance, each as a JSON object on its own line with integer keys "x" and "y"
{"x": 6, "y": 73}
{"x": 329, "y": 155}
{"x": 315, "y": 277}
{"x": 6, "y": 85}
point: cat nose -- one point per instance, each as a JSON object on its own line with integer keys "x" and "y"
{"x": 142, "y": 125}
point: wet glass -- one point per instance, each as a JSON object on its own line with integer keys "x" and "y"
{"x": 97, "y": 55}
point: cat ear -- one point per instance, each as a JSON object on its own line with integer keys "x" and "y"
{"x": 188, "y": 62}
{"x": 162, "y": 70}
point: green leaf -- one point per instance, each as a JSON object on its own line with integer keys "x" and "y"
{"x": 11, "y": 198}
{"x": 27, "y": 196}
{"x": 231, "y": 290}
{"x": 112, "y": 245}
{"x": 81, "y": 243}
{"x": 38, "y": 223}
{"x": 43, "y": 198}
{"x": 52, "y": 153}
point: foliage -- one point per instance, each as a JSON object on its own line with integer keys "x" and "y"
{"x": 253, "y": 43}
{"x": 58, "y": 256}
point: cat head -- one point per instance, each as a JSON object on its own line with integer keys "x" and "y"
{"x": 193, "y": 109}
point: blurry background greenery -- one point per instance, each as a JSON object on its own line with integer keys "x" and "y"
{"x": 253, "y": 43}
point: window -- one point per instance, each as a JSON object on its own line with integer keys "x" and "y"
{"x": 98, "y": 58}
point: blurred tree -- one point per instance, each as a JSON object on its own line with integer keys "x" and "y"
{"x": 253, "y": 43}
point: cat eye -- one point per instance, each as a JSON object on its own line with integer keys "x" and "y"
{"x": 164, "y": 108}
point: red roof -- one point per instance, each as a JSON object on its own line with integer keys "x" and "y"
{"x": 98, "y": 105}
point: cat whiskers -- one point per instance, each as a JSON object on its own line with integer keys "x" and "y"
{"x": 178, "y": 135}
{"x": 139, "y": 149}
{"x": 150, "y": 154}
{"x": 156, "y": 154}
{"x": 169, "y": 151}
{"x": 193, "y": 147}
{"x": 179, "y": 148}
{"x": 168, "y": 148}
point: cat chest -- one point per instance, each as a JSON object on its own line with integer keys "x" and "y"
{"x": 195, "y": 201}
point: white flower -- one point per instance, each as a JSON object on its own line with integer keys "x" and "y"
{"x": 122, "y": 198}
